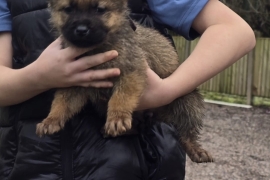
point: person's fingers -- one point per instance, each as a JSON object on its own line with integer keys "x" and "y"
{"x": 95, "y": 75}
{"x": 98, "y": 84}
{"x": 71, "y": 52}
{"x": 87, "y": 62}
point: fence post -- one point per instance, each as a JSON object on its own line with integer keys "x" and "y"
{"x": 250, "y": 76}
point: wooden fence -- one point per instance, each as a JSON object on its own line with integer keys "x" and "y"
{"x": 245, "y": 82}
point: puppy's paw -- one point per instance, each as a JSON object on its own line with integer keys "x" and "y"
{"x": 201, "y": 156}
{"x": 117, "y": 124}
{"x": 49, "y": 126}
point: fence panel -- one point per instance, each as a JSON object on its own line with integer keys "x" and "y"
{"x": 234, "y": 80}
{"x": 261, "y": 81}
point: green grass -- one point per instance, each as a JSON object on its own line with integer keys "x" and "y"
{"x": 257, "y": 101}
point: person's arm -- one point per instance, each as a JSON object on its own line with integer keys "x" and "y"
{"x": 54, "y": 68}
{"x": 225, "y": 39}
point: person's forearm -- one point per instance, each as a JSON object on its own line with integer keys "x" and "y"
{"x": 225, "y": 45}
{"x": 55, "y": 68}
{"x": 17, "y": 85}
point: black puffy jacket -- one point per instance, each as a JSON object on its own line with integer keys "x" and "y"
{"x": 79, "y": 152}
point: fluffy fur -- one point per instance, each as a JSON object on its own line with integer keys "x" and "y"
{"x": 103, "y": 25}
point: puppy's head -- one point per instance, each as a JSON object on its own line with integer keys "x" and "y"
{"x": 86, "y": 23}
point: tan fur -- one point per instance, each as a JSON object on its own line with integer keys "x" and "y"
{"x": 134, "y": 48}
{"x": 123, "y": 102}
{"x": 113, "y": 22}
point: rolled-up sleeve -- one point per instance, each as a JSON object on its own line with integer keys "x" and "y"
{"x": 178, "y": 14}
{"x": 5, "y": 18}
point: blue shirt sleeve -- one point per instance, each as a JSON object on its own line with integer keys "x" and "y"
{"x": 5, "y": 18}
{"x": 178, "y": 14}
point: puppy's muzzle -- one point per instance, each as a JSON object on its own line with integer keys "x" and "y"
{"x": 81, "y": 31}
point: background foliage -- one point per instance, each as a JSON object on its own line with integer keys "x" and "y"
{"x": 255, "y": 12}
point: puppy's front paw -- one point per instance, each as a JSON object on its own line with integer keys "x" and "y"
{"x": 117, "y": 123}
{"x": 49, "y": 126}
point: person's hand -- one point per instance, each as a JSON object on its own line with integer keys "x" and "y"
{"x": 57, "y": 67}
{"x": 157, "y": 92}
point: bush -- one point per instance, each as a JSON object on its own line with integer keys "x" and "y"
{"x": 255, "y": 12}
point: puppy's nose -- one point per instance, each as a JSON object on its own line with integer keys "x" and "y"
{"x": 81, "y": 31}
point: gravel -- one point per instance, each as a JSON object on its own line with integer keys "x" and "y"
{"x": 239, "y": 141}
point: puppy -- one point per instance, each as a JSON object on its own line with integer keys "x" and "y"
{"x": 103, "y": 25}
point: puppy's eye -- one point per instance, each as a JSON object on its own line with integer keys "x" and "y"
{"x": 68, "y": 10}
{"x": 100, "y": 9}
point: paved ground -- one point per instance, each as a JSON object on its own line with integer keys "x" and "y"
{"x": 239, "y": 140}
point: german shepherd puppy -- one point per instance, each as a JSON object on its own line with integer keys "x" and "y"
{"x": 103, "y": 25}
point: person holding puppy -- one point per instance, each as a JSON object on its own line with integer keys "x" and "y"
{"x": 36, "y": 64}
